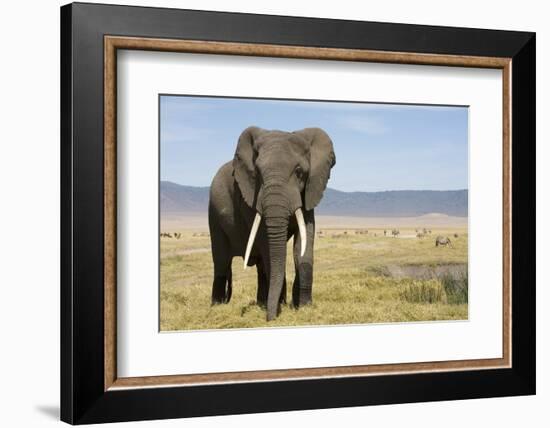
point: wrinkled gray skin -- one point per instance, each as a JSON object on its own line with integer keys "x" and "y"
{"x": 273, "y": 173}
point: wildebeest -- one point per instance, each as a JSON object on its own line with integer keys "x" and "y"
{"x": 395, "y": 232}
{"x": 339, "y": 235}
{"x": 456, "y": 235}
{"x": 362, "y": 232}
{"x": 385, "y": 232}
{"x": 177, "y": 235}
{"x": 443, "y": 241}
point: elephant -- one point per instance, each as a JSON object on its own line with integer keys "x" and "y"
{"x": 258, "y": 201}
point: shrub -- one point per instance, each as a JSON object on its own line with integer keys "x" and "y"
{"x": 456, "y": 289}
{"x": 430, "y": 291}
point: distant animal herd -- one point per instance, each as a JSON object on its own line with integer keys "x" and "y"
{"x": 176, "y": 235}
{"x": 440, "y": 240}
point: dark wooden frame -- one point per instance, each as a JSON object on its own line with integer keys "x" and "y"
{"x": 90, "y": 35}
{"x": 114, "y": 43}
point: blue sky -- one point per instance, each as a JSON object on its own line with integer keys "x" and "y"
{"x": 378, "y": 146}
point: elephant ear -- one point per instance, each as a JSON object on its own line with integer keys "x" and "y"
{"x": 243, "y": 164}
{"x": 322, "y": 159}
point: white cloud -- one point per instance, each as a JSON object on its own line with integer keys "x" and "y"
{"x": 370, "y": 125}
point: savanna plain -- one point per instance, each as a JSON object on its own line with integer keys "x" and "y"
{"x": 361, "y": 275}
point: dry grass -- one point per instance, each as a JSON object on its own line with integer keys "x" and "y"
{"x": 351, "y": 282}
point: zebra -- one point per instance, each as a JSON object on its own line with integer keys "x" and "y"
{"x": 395, "y": 232}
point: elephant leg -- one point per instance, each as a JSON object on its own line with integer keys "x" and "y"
{"x": 221, "y": 255}
{"x": 263, "y": 284}
{"x": 303, "y": 281}
{"x": 222, "y": 288}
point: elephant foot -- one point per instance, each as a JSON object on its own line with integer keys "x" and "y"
{"x": 222, "y": 289}
{"x": 302, "y": 287}
{"x": 301, "y": 296}
{"x": 261, "y": 296}
{"x": 298, "y": 303}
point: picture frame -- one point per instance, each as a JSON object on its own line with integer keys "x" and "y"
{"x": 91, "y": 391}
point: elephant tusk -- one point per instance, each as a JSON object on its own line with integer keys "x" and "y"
{"x": 251, "y": 238}
{"x": 302, "y": 227}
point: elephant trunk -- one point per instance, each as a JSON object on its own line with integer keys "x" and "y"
{"x": 277, "y": 232}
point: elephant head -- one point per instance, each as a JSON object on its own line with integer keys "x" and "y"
{"x": 280, "y": 174}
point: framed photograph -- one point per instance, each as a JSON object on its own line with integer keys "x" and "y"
{"x": 266, "y": 213}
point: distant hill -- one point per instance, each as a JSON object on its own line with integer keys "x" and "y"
{"x": 395, "y": 203}
{"x": 176, "y": 198}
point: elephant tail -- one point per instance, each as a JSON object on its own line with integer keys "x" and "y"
{"x": 229, "y": 285}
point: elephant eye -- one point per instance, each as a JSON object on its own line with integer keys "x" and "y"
{"x": 299, "y": 172}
